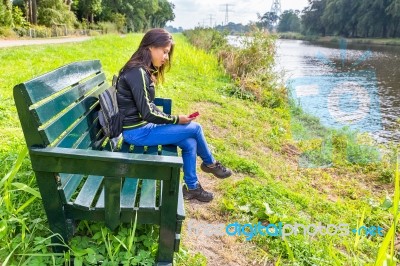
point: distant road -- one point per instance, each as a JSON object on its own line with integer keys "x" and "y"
{"x": 11, "y": 43}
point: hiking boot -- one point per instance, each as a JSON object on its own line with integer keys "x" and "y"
{"x": 217, "y": 169}
{"x": 199, "y": 193}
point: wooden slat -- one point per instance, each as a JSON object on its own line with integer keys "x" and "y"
{"x": 148, "y": 194}
{"x": 89, "y": 137}
{"x": 169, "y": 150}
{"x": 125, "y": 147}
{"x": 138, "y": 149}
{"x": 181, "y": 207}
{"x": 81, "y": 128}
{"x": 64, "y": 178}
{"x": 100, "y": 200}
{"x": 152, "y": 150}
{"x": 60, "y": 125}
{"x": 56, "y": 80}
{"x": 62, "y": 101}
{"x": 88, "y": 192}
{"x": 128, "y": 193}
{"x": 70, "y": 186}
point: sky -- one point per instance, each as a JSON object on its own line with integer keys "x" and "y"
{"x": 189, "y": 14}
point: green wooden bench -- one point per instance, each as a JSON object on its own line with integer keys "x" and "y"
{"x": 58, "y": 114}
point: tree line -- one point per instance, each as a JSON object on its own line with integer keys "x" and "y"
{"x": 130, "y": 15}
{"x": 356, "y": 18}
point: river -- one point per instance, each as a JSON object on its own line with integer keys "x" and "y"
{"x": 345, "y": 85}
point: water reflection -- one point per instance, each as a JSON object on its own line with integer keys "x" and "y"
{"x": 328, "y": 67}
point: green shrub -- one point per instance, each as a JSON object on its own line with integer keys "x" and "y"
{"x": 18, "y": 18}
{"x": 120, "y": 22}
{"x": 7, "y": 32}
{"x": 94, "y": 33}
{"x": 108, "y": 27}
{"x": 206, "y": 39}
{"x": 40, "y": 31}
{"x": 6, "y": 18}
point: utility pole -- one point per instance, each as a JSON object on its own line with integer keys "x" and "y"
{"x": 276, "y": 7}
{"x": 275, "y": 13}
{"x": 204, "y": 23}
{"x": 227, "y": 10}
{"x": 211, "y": 19}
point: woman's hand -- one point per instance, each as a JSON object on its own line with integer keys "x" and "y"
{"x": 185, "y": 119}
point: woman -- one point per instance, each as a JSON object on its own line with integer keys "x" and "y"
{"x": 145, "y": 125}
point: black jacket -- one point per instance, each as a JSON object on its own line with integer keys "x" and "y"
{"x": 135, "y": 96}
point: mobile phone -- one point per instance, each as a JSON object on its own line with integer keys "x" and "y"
{"x": 194, "y": 114}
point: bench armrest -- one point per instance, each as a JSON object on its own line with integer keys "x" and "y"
{"x": 104, "y": 163}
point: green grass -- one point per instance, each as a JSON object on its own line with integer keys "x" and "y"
{"x": 251, "y": 139}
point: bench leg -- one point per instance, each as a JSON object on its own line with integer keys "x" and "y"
{"x": 54, "y": 209}
{"x": 168, "y": 222}
{"x": 112, "y": 201}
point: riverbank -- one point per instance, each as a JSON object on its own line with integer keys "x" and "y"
{"x": 335, "y": 39}
{"x": 253, "y": 139}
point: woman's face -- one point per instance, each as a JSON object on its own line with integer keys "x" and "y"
{"x": 159, "y": 55}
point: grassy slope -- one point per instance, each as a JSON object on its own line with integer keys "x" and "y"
{"x": 250, "y": 139}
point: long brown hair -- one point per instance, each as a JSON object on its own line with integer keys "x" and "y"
{"x": 142, "y": 57}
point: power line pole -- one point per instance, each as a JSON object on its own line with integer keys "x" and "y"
{"x": 211, "y": 19}
{"x": 276, "y": 7}
{"x": 227, "y": 10}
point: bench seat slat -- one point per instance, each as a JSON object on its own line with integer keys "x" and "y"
{"x": 128, "y": 193}
{"x": 88, "y": 192}
{"x": 64, "y": 178}
{"x": 169, "y": 150}
{"x": 138, "y": 149}
{"x": 43, "y": 86}
{"x": 61, "y": 102}
{"x": 70, "y": 186}
{"x": 148, "y": 194}
{"x": 100, "y": 200}
{"x": 125, "y": 147}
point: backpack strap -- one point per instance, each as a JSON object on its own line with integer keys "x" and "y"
{"x": 115, "y": 81}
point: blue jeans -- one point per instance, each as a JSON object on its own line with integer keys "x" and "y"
{"x": 188, "y": 137}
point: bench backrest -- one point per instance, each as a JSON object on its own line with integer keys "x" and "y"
{"x": 60, "y": 108}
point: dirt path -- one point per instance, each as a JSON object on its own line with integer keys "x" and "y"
{"x": 12, "y": 43}
{"x": 218, "y": 249}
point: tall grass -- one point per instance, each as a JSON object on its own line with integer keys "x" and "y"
{"x": 386, "y": 253}
{"x": 250, "y": 65}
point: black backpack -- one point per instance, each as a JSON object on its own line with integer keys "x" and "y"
{"x": 110, "y": 117}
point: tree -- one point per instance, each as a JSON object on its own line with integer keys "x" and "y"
{"x": 55, "y": 12}
{"x": 268, "y": 20}
{"x": 311, "y": 18}
{"x": 5, "y": 13}
{"x": 164, "y": 14}
{"x": 89, "y": 9}
{"x": 340, "y": 17}
{"x": 289, "y": 21}
{"x": 393, "y": 10}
